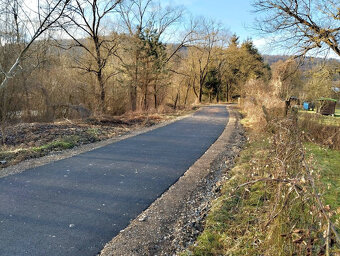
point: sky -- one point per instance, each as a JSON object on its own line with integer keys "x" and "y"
{"x": 237, "y": 16}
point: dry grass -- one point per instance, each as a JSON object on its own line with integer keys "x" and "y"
{"x": 317, "y": 131}
{"x": 272, "y": 203}
{"x": 259, "y": 94}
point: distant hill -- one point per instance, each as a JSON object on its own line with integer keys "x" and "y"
{"x": 308, "y": 63}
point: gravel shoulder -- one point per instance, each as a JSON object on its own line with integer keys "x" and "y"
{"x": 173, "y": 221}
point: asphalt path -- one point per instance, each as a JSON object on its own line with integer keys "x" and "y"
{"x": 76, "y": 205}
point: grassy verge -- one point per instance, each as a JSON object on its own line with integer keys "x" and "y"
{"x": 328, "y": 163}
{"x": 266, "y": 218}
{"x": 231, "y": 226}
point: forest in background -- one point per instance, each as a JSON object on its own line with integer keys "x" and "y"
{"x": 118, "y": 59}
{"x": 95, "y": 58}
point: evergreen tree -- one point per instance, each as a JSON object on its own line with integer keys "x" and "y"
{"x": 153, "y": 66}
{"x": 212, "y": 84}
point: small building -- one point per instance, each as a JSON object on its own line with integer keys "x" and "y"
{"x": 326, "y": 106}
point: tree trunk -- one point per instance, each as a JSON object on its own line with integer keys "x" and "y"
{"x": 155, "y": 100}
{"x": 3, "y": 118}
{"x": 100, "y": 78}
{"x": 176, "y": 101}
{"x": 27, "y": 101}
{"x": 145, "y": 100}
{"x": 155, "y": 95}
{"x": 200, "y": 92}
{"x": 186, "y": 96}
{"x": 133, "y": 97}
{"x": 3, "y": 133}
{"x": 145, "y": 105}
{"x": 194, "y": 89}
{"x": 133, "y": 91}
{"x": 102, "y": 91}
{"x": 227, "y": 93}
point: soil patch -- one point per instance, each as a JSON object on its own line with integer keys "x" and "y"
{"x": 32, "y": 140}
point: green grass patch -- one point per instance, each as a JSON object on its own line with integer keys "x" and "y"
{"x": 337, "y": 112}
{"x": 328, "y": 163}
{"x": 20, "y": 154}
{"x": 55, "y": 145}
{"x": 94, "y": 132}
{"x": 61, "y": 144}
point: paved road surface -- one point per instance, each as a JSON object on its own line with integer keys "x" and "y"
{"x": 76, "y": 205}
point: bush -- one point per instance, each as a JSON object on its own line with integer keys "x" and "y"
{"x": 317, "y": 131}
{"x": 259, "y": 94}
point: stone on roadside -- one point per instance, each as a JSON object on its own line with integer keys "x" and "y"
{"x": 142, "y": 218}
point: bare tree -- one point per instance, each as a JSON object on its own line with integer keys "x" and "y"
{"x": 302, "y": 25}
{"x": 84, "y": 21}
{"x": 139, "y": 18}
{"x": 203, "y": 51}
{"x": 34, "y": 22}
{"x": 286, "y": 79}
{"x": 20, "y": 27}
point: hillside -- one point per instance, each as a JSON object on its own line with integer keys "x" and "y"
{"x": 308, "y": 62}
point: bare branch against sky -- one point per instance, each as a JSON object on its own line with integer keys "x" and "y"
{"x": 35, "y": 21}
{"x": 303, "y": 26}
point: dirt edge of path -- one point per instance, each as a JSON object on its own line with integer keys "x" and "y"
{"x": 55, "y": 156}
{"x": 174, "y": 220}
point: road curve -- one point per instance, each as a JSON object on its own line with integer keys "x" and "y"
{"x": 76, "y": 205}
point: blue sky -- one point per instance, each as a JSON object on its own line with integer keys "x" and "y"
{"x": 235, "y": 15}
{"x": 238, "y": 17}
